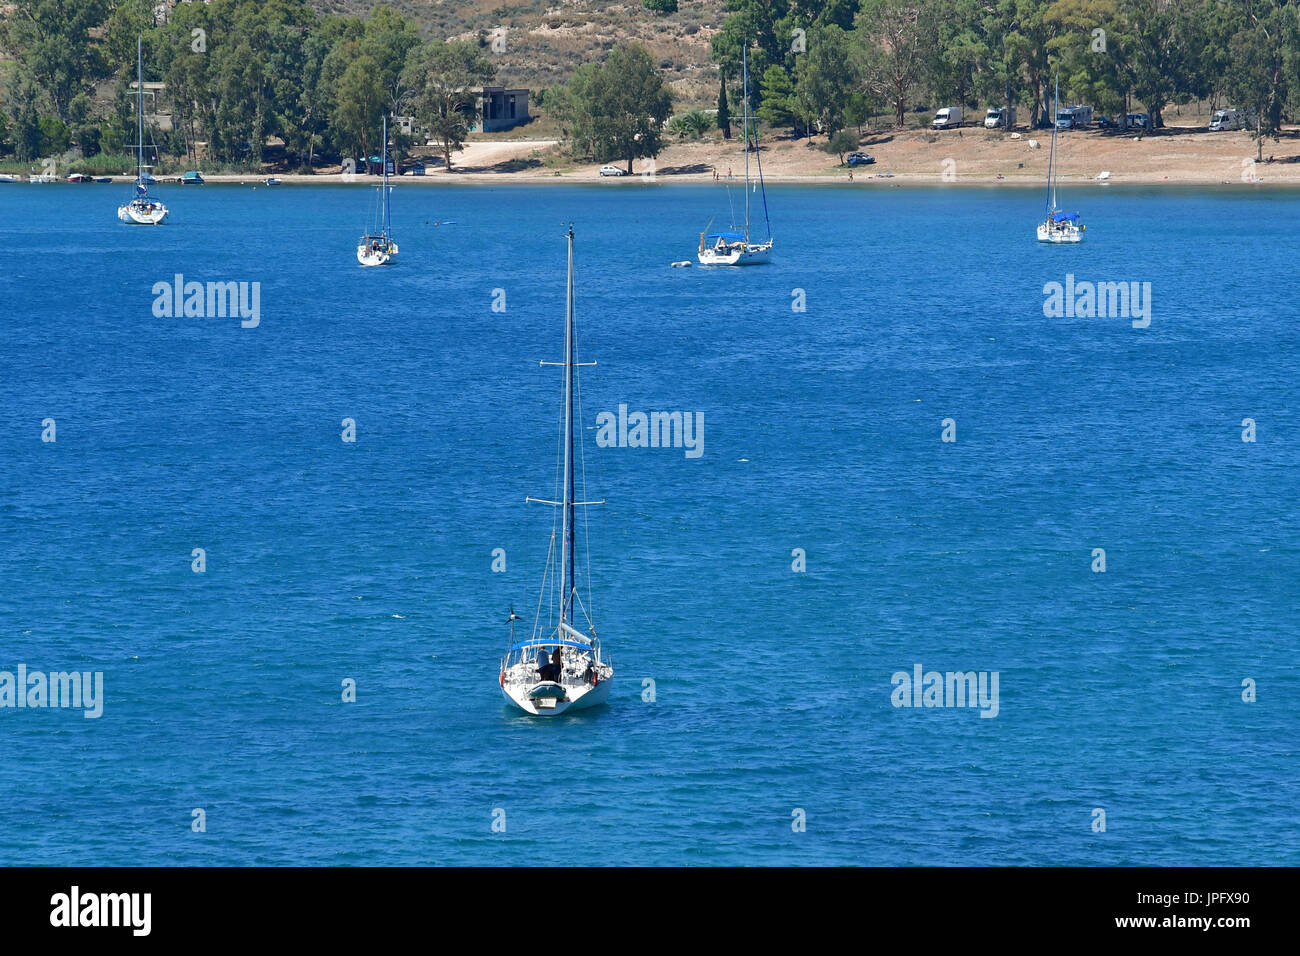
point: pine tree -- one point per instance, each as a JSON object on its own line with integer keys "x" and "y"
{"x": 724, "y": 114}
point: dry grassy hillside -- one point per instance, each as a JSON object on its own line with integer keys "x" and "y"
{"x": 546, "y": 40}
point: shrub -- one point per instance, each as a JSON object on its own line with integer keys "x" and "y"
{"x": 55, "y": 137}
{"x": 693, "y": 124}
{"x": 842, "y": 142}
{"x": 105, "y": 164}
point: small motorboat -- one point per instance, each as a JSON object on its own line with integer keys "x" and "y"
{"x": 192, "y": 178}
{"x": 272, "y": 181}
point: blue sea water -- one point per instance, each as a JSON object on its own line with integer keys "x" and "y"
{"x": 772, "y": 688}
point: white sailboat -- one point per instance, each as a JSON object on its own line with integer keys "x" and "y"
{"x": 141, "y": 210}
{"x": 380, "y": 249}
{"x": 559, "y": 667}
{"x": 734, "y": 247}
{"x": 1058, "y": 226}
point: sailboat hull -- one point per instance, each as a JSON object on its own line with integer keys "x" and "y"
{"x": 737, "y": 256}
{"x": 1068, "y": 233}
{"x": 369, "y": 256}
{"x": 140, "y": 216}
{"x": 546, "y": 704}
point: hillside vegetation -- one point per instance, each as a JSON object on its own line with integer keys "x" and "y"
{"x": 306, "y": 83}
{"x": 546, "y": 40}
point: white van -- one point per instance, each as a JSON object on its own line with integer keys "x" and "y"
{"x": 947, "y": 118}
{"x": 993, "y": 119}
{"x": 1227, "y": 119}
{"x": 1074, "y": 117}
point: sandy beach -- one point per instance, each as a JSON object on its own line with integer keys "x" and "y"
{"x": 967, "y": 156}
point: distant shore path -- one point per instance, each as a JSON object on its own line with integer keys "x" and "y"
{"x": 1176, "y": 156}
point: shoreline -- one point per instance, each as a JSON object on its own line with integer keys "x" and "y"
{"x": 1175, "y": 156}
{"x": 457, "y": 180}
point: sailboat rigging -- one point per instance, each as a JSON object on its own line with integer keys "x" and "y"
{"x": 560, "y": 667}
{"x": 141, "y": 210}
{"x": 380, "y": 249}
{"x": 734, "y": 247}
{"x": 1058, "y": 226}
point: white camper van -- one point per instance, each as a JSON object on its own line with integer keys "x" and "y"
{"x": 947, "y": 118}
{"x": 995, "y": 118}
{"x": 1227, "y": 119}
{"x": 1074, "y": 117}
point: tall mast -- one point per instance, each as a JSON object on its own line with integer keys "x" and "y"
{"x": 566, "y": 542}
{"x": 1051, "y": 162}
{"x": 384, "y": 161}
{"x": 744, "y": 58}
{"x": 139, "y": 109}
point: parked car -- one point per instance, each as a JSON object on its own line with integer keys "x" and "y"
{"x": 1139, "y": 121}
{"x": 1105, "y": 122}
{"x": 613, "y": 171}
{"x": 995, "y": 118}
{"x": 861, "y": 159}
{"x": 947, "y": 118}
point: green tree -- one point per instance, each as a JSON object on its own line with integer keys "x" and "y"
{"x": 1259, "y": 53}
{"x": 1026, "y": 38}
{"x": 51, "y": 38}
{"x": 889, "y": 52}
{"x": 824, "y": 77}
{"x": 1163, "y": 41}
{"x": 955, "y": 49}
{"x": 842, "y": 142}
{"x": 756, "y": 25}
{"x": 1093, "y": 67}
{"x": 389, "y": 39}
{"x": 724, "y": 112}
{"x": 359, "y": 105}
{"x": 445, "y": 78}
{"x": 27, "y": 130}
{"x": 616, "y": 109}
{"x": 780, "y": 105}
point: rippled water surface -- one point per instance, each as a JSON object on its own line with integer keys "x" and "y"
{"x": 372, "y": 561}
